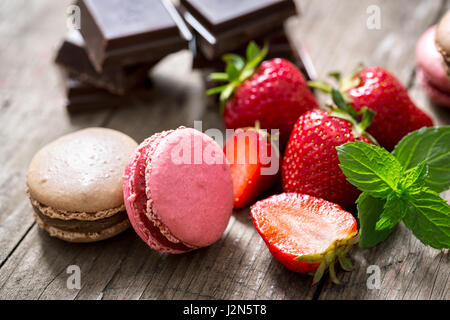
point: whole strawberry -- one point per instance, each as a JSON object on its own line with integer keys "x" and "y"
{"x": 275, "y": 93}
{"x": 254, "y": 164}
{"x": 306, "y": 233}
{"x": 380, "y": 91}
{"x": 311, "y": 164}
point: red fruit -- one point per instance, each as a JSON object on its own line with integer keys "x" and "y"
{"x": 303, "y": 232}
{"x": 254, "y": 163}
{"x": 395, "y": 113}
{"x": 311, "y": 164}
{"x": 275, "y": 93}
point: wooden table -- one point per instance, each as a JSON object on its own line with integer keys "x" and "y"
{"x": 239, "y": 266}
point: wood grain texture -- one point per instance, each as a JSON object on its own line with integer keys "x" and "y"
{"x": 239, "y": 266}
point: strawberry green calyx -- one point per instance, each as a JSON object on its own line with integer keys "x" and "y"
{"x": 342, "y": 108}
{"x": 336, "y": 251}
{"x": 238, "y": 69}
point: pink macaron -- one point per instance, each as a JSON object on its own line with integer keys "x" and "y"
{"x": 431, "y": 70}
{"x": 178, "y": 191}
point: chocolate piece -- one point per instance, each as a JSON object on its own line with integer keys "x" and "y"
{"x": 116, "y": 79}
{"x": 280, "y": 46}
{"x": 128, "y": 32}
{"x": 84, "y": 97}
{"x": 224, "y": 26}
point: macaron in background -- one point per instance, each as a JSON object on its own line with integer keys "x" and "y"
{"x": 178, "y": 191}
{"x": 442, "y": 39}
{"x": 431, "y": 71}
{"x": 75, "y": 185}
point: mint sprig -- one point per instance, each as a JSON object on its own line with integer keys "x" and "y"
{"x": 237, "y": 70}
{"x": 402, "y": 186}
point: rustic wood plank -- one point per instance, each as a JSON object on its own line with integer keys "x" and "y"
{"x": 239, "y": 265}
{"x": 409, "y": 269}
{"x": 31, "y": 104}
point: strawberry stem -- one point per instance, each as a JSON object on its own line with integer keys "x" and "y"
{"x": 237, "y": 70}
{"x": 337, "y": 250}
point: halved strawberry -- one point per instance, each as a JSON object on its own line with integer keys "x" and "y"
{"x": 254, "y": 162}
{"x": 306, "y": 233}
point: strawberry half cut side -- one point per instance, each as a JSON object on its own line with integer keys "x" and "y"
{"x": 306, "y": 233}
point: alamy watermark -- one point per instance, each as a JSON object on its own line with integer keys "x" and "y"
{"x": 374, "y": 279}
{"x": 73, "y": 21}
{"x": 373, "y": 21}
{"x": 191, "y": 150}
{"x": 74, "y": 279}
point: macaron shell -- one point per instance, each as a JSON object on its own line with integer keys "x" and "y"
{"x": 437, "y": 96}
{"x": 190, "y": 188}
{"x": 443, "y": 36}
{"x": 136, "y": 200}
{"x": 81, "y": 171}
{"x": 431, "y": 62}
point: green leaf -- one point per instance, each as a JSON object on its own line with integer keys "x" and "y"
{"x": 370, "y": 168}
{"x": 322, "y": 86}
{"x": 429, "y": 219}
{"x": 219, "y": 76}
{"x": 415, "y": 178}
{"x": 235, "y": 59}
{"x": 393, "y": 211}
{"x": 367, "y": 117}
{"x": 369, "y": 211}
{"x": 336, "y": 75}
{"x": 339, "y": 100}
{"x": 216, "y": 90}
{"x": 431, "y": 145}
{"x": 253, "y": 51}
{"x": 232, "y": 72}
{"x": 227, "y": 92}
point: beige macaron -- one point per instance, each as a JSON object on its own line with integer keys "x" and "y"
{"x": 443, "y": 39}
{"x": 75, "y": 185}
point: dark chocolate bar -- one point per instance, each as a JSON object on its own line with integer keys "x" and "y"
{"x": 125, "y": 32}
{"x": 116, "y": 79}
{"x": 280, "y": 46}
{"x": 84, "y": 97}
{"x": 223, "y": 26}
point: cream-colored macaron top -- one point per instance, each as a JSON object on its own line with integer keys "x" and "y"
{"x": 81, "y": 171}
{"x": 443, "y": 35}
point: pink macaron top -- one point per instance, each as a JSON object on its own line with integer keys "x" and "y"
{"x": 189, "y": 187}
{"x": 430, "y": 61}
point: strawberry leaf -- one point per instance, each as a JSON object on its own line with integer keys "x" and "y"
{"x": 432, "y": 146}
{"x": 237, "y": 71}
{"x": 322, "y": 86}
{"x": 219, "y": 76}
{"x": 253, "y": 51}
{"x": 370, "y": 168}
{"x": 369, "y": 211}
{"x": 234, "y": 59}
{"x": 340, "y": 102}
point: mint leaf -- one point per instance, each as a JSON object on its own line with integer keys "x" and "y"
{"x": 415, "y": 177}
{"x": 369, "y": 210}
{"x": 370, "y": 168}
{"x": 429, "y": 218}
{"x": 393, "y": 211}
{"x": 432, "y": 146}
